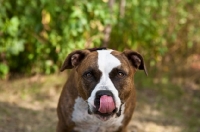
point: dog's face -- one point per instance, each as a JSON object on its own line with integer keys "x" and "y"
{"x": 105, "y": 78}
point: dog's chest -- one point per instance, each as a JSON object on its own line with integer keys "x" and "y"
{"x": 90, "y": 123}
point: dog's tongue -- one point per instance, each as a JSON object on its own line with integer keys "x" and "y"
{"x": 107, "y": 104}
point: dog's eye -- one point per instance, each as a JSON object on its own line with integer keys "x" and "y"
{"x": 120, "y": 74}
{"x": 88, "y": 75}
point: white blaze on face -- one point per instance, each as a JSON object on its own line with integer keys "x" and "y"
{"x": 106, "y": 62}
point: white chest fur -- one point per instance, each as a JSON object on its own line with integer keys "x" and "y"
{"x": 90, "y": 123}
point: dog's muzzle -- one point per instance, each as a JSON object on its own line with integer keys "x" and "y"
{"x": 104, "y": 105}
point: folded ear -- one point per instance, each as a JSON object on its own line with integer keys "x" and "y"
{"x": 74, "y": 59}
{"x": 136, "y": 60}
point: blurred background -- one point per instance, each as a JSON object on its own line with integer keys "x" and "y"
{"x": 36, "y": 36}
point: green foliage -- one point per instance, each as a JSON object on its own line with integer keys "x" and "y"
{"x": 37, "y": 35}
{"x": 157, "y": 27}
{"x": 3, "y": 70}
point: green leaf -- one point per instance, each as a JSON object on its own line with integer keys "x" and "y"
{"x": 12, "y": 27}
{"x": 4, "y": 69}
{"x": 16, "y": 47}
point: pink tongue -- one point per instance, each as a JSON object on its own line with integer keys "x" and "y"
{"x": 107, "y": 104}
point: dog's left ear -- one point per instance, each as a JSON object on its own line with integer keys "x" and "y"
{"x": 136, "y": 60}
{"x": 74, "y": 59}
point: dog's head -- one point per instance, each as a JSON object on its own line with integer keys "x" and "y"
{"x": 105, "y": 78}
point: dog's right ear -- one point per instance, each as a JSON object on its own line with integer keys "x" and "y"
{"x": 136, "y": 60}
{"x": 74, "y": 59}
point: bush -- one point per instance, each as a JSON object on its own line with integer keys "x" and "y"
{"x": 37, "y": 35}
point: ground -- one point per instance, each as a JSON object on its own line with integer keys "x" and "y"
{"x": 28, "y": 104}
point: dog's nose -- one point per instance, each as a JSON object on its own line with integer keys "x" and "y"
{"x": 99, "y": 94}
{"x": 103, "y": 92}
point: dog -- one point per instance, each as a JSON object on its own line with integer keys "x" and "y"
{"x": 99, "y": 95}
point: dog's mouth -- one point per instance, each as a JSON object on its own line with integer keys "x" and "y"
{"x": 104, "y": 105}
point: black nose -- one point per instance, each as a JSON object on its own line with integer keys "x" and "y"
{"x": 103, "y": 92}
{"x": 98, "y": 96}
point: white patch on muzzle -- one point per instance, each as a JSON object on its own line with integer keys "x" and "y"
{"x": 106, "y": 62}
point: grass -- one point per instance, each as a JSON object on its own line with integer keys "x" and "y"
{"x": 179, "y": 105}
{"x": 29, "y": 104}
